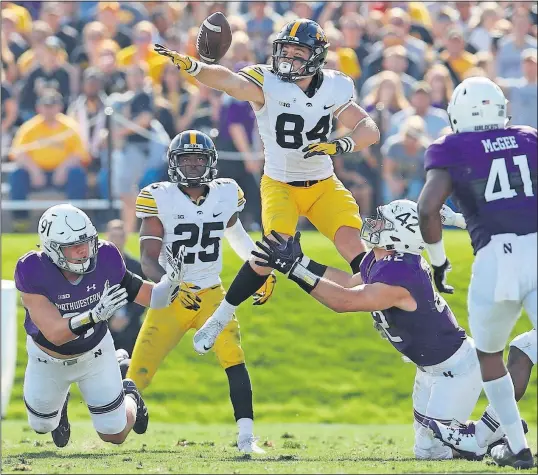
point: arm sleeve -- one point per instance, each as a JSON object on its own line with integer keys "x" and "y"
{"x": 253, "y": 73}
{"x": 240, "y": 241}
{"x": 146, "y": 205}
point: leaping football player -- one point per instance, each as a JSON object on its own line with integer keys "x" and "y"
{"x": 196, "y": 210}
{"x": 69, "y": 291}
{"x": 491, "y": 171}
{"x": 395, "y": 285}
{"x": 294, "y": 101}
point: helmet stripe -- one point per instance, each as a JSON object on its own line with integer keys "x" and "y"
{"x": 295, "y": 27}
{"x": 192, "y": 136}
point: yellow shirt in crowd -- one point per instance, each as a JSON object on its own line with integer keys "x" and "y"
{"x": 460, "y": 65}
{"x": 24, "y": 19}
{"x": 56, "y": 144}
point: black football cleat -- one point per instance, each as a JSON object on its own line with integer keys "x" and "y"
{"x": 142, "y": 416}
{"x": 62, "y": 433}
{"x": 503, "y": 456}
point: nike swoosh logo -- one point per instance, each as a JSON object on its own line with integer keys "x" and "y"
{"x": 206, "y": 348}
{"x": 218, "y": 214}
{"x": 327, "y": 107}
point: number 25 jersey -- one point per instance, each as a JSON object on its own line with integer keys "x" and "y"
{"x": 290, "y": 120}
{"x": 200, "y": 228}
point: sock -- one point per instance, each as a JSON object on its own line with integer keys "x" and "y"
{"x": 245, "y": 426}
{"x": 488, "y": 429}
{"x": 501, "y": 396}
{"x": 246, "y": 282}
{"x": 240, "y": 393}
{"x": 224, "y": 312}
{"x": 355, "y": 264}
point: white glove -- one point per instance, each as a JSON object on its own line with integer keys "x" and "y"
{"x": 451, "y": 218}
{"x": 175, "y": 267}
{"x": 112, "y": 299}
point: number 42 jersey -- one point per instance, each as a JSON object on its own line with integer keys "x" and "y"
{"x": 199, "y": 227}
{"x": 493, "y": 179}
{"x": 290, "y": 120}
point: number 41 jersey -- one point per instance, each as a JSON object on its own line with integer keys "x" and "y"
{"x": 493, "y": 179}
{"x": 290, "y": 120}
{"x": 199, "y": 227}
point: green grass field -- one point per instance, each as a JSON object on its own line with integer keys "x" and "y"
{"x": 308, "y": 365}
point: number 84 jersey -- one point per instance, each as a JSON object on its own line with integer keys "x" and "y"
{"x": 199, "y": 227}
{"x": 290, "y": 120}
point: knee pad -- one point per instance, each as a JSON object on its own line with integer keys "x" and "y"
{"x": 43, "y": 426}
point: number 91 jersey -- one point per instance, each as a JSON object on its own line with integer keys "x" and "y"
{"x": 290, "y": 120}
{"x": 199, "y": 227}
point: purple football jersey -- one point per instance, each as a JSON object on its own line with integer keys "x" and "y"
{"x": 493, "y": 179}
{"x": 427, "y": 336}
{"x": 35, "y": 273}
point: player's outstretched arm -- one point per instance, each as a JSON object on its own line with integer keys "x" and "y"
{"x": 59, "y": 330}
{"x": 436, "y": 190}
{"x": 215, "y": 76}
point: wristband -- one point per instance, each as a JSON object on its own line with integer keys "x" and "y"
{"x": 436, "y": 252}
{"x": 195, "y": 67}
{"x": 301, "y": 274}
{"x": 347, "y": 144}
{"x": 80, "y": 324}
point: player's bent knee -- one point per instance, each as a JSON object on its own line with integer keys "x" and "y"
{"x": 43, "y": 426}
{"x": 116, "y": 439}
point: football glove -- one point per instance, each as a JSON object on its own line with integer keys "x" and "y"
{"x": 112, "y": 299}
{"x": 439, "y": 277}
{"x": 175, "y": 269}
{"x": 265, "y": 291}
{"x": 451, "y": 218}
{"x": 182, "y": 62}
{"x": 280, "y": 254}
{"x": 335, "y": 147}
{"x": 188, "y": 297}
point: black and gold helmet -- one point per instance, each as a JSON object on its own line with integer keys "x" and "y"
{"x": 192, "y": 143}
{"x": 305, "y": 33}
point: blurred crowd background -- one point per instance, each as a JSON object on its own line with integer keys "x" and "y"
{"x": 65, "y": 63}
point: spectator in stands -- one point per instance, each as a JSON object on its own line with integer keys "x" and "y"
{"x": 108, "y": 15}
{"x": 237, "y": 23}
{"x": 114, "y": 79}
{"x": 142, "y": 51}
{"x": 8, "y": 59}
{"x": 348, "y": 63}
{"x": 13, "y": 39}
{"x": 511, "y": 47}
{"x": 182, "y": 96}
{"x": 31, "y": 58}
{"x": 51, "y": 13}
{"x": 10, "y": 112}
{"x": 88, "y": 111}
{"x": 48, "y": 151}
{"x": 464, "y": 13}
{"x": 126, "y": 322}
{"x": 162, "y": 22}
{"x": 446, "y": 19}
{"x": 141, "y": 151}
{"x": 50, "y": 74}
{"x": 403, "y": 161}
{"x": 455, "y": 58}
{"x": 240, "y": 51}
{"x": 261, "y": 21}
{"x": 438, "y": 77}
{"x": 486, "y": 18}
{"x": 394, "y": 60}
{"x": 23, "y": 17}
{"x": 238, "y": 158}
{"x": 522, "y": 92}
{"x": 421, "y": 102}
{"x": 353, "y": 27}
{"x": 87, "y": 53}
{"x": 207, "y": 111}
{"x": 485, "y": 60}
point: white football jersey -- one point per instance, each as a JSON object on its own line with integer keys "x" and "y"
{"x": 290, "y": 120}
{"x": 199, "y": 227}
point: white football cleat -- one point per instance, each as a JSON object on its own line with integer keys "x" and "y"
{"x": 247, "y": 444}
{"x": 461, "y": 439}
{"x": 204, "y": 339}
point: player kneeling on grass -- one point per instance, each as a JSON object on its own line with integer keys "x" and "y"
{"x": 395, "y": 285}
{"x": 69, "y": 290}
{"x": 474, "y": 439}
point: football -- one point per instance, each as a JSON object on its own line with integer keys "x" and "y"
{"x": 214, "y": 38}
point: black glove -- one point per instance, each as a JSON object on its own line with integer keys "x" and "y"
{"x": 280, "y": 254}
{"x": 439, "y": 277}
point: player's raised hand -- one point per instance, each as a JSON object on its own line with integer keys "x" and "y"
{"x": 439, "y": 277}
{"x": 265, "y": 291}
{"x": 112, "y": 299}
{"x": 280, "y": 253}
{"x": 335, "y": 147}
{"x": 451, "y": 218}
{"x": 181, "y": 61}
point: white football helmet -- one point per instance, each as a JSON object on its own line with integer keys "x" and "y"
{"x": 63, "y": 226}
{"x": 395, "y": 228}
{"x": 477, "y": 104}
